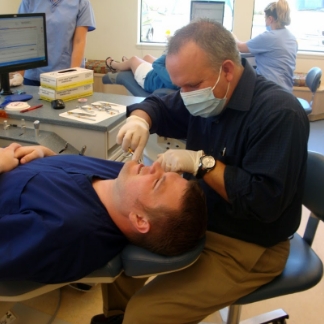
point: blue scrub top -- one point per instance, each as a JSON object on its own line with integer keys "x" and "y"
{"x": 158, "y": 78}
{"x": 275, "y": 55}
{"x": 62, "y": 19}
{"x": 53, "y": 226}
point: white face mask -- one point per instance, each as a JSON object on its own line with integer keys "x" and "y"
{"x": 202, "y": 102}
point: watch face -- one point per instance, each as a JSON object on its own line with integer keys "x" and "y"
{"x": 208, "y": 162}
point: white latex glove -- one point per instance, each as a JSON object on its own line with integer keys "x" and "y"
{"x": 134, "y": 135}
{"x": 180, "y": 161}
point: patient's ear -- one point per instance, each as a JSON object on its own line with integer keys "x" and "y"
{"x": 140, "y": 223}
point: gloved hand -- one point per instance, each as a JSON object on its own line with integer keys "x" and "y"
{"x": 134, "y": 135}
{"x": 180, "y": 161}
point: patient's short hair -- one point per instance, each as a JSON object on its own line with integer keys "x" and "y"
{"x": 173, "y": 232}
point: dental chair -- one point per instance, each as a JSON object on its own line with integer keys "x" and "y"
{"x": 304, "y": 269}
{"x": 133, "y": 261}
{"x": 126, "y": 78}
{"x": 313, "y": 81}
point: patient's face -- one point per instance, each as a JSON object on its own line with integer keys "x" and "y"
{"x": 150, "y": 185}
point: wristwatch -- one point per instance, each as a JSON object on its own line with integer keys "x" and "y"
{"x": 207, "y": 163}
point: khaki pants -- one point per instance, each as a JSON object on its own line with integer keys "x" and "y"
{"x": 226, "y": 270}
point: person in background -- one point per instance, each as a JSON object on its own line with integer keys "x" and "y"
{"x": 246, "y": 142}
{"x": 149, "y": 72}
{"x": 275, "y": 50}
{"x": 67, "y": 24}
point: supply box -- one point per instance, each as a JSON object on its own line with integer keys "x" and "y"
{"x": 66, "y": 79}
{"x": 66, "y": 95}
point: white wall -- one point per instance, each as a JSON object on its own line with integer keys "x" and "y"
{"x": 116, "y": 33}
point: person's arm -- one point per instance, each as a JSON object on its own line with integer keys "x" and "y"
{"x": 242, "y": 46}
{"x": 215, "y": 179}
{"x": 26, "y": 154}
{"x": 188, "y": 161}
{"x": 8, "y": 160}
{"x": 142, "y": 114}
{"x": 79, "y": 43}
{"x": 165, "y": 116}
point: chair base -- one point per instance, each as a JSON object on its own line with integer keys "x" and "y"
{"x": 277, "y": 316}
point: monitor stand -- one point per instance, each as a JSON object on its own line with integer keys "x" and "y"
{"x": 5, "y": 84}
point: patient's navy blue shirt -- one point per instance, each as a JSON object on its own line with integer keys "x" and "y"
{"x": 53, "y": 226}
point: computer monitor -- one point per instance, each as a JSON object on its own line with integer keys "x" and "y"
{"x": 213, "y": 10}
{"x": 23, "y": 45}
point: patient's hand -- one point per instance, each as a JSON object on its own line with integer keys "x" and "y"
{"x": 28, "y": 153}
{"x": 8, "y": 159}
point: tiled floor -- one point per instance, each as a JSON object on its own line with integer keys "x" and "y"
{"x": 303, "y": 308}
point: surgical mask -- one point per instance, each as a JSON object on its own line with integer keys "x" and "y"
{"x": 268, "y": 27}
{"x": 202, "y": 102}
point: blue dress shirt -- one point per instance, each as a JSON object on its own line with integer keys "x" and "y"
{"x": 261, "y": 136}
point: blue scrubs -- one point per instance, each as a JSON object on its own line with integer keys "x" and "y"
{"x": 53, "y": 226}
{"x": 158, "y": 78}
{"x": 62, "y": 19}
{"x": 275, "y": 55}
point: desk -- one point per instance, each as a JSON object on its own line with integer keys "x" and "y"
{"x": 99, "y": 139}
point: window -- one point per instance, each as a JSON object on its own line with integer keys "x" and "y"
{"x": 307, "y": 22}
{"x": 160, "y": 19}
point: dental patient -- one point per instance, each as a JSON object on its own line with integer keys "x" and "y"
{"x": 64, "y": 216}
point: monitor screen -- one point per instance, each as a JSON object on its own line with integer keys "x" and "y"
{"x": 23, "y": 44}
{"x": 213, "y": 10}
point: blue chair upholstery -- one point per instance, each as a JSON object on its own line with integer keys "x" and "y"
{"x": 126, "y": 78}
{"x": 304, "y": 269}
{"x": 313, "y": 81}
{"x": 135, "y": 261}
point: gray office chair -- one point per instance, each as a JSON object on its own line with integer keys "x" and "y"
{"x": 304, "y": 269}
{"x": 313, "y": 81}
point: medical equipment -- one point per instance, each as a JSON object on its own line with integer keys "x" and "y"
{"x": 20, "y": 53}
{"x": 130, "y": 153}
{"x": 81, "y": 114}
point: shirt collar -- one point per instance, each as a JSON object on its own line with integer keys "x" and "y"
{"x": 54, "y": 3}
{"x": 241, "y": 98}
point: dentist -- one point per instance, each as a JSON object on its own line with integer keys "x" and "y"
{"x": 246, "y": 142}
